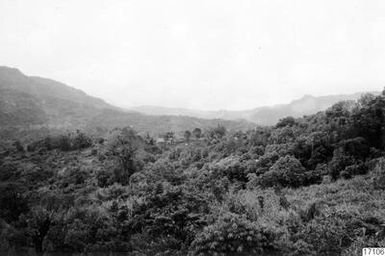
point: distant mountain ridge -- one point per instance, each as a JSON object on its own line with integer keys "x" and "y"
{"x": 267, "y": 115}
{"x": 11, "y": 78}
{"x": 31, "y": 103}
{"x": 29, "y": 100}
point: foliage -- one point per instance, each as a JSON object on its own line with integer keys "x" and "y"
{"x": 233, "y": 234}
{"x": 287, "y": 171}
{"x": 123, "y": 145}
{"x": 306, "y": 186}
{"x": 12, "y": 201}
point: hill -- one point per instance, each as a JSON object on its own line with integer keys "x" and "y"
{"x": 27, "y": 100}
{"x": 33, "y": 103}
{"x": 267, "y": 115}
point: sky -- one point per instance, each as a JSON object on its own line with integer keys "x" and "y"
{"x": 199, "y": 54}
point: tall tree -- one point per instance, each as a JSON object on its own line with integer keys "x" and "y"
{"x": 187, "y": 135}
{"x": 123, "y": 146}
{"x": 369, "y": 121}
{"x": 197, "y": 133}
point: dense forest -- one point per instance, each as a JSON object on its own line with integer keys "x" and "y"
{"x": 306, "y": 186}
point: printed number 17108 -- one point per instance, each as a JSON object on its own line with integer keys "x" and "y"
{"x": 375, "y": 251}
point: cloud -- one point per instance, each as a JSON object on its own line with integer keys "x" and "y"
{"x": 198, "y": 54}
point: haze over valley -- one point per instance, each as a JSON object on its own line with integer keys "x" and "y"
{"x": 35, "y": 102}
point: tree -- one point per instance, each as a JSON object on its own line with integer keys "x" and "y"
{"x": 369, "y": 122}
{"x": 91, "y": 229}
{"x": 378, "y": 179}
{"x": 287, "y": 121}
{"x": 216, "y": 133}
{"x": 123, "y": 146}
{"x": 327, "y": 235}
{"x": 259, "y": 136}
{"x": 197, "y": 133}
{"x": 149, "y": 140}
{"x": 169, "y": 137}
{"x": 169, "y": 214}
{"x": 232, "y": 234}
{"x": 230, "y": 167}
{"x": 64, "y": 143}
{"x": 287, "y": 171}
{"x": 348, "y": 158}
{"x": 81, "y": 140}
{"x": 338, "y": 117}
{"x": 187, "y": 135}
{"x": 39, "y": 222}
{"x": 19, "y": 147}
{"x": 12, "y": 203}
{"x": 282, "y": 135}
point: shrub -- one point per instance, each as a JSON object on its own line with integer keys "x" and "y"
{"x": 312, "y": 177}
{"x": 265, "y": 162}
{"x": 378, "y": 179}
{"x": 63, "y": 143}
{"x": 169, "y": 213}
{"x": 357, "y": 147}
{"x": 81, "y": 141}
{"x": 232, "y": 168}
{"x": 287, "y": 121}
{"x": 8, "y": 171}
{"x": 73, "y": 176}
{"x": 287, "y": 171}
{"x": 326, "y": 235}
{"x": 12, "y": 202}
{"x": 19, "y": 147}
{"x": 90, "y": 229}
{"x": 280, "y": 149}
{"x": 339, "y": 162}
{"x": 104, "y": 178}
{"x": 123, "y": 146}
{"x": 234, "y": 234}
{"x": 353, "y": 170}
{"x": 301, "y": 248}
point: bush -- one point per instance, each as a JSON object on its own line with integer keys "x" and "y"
{"x": 12, "y": 202}
{"x": 286, "y": 172}
{"x": 265, "y": 162}
{"x": 81, "y": 141}
{"x": 63, "y": 143}
{"x": 8, "y": 171}
{"x": 313, "y": 177}
{"x": 104, "y": 178}
{"x": 327, "y": 235}
{"x": 378, "y": 179}
{"x": 232, "y": 168}
{"x": 123, "y": 146}
{"x": 353, "y": 170}
{"x": 234, "y": 234}
{"x": 339, "y": 162}
{"x": 357, "y": 147}
{"x": 73, "y": 176}
{"x": 287, "y": 121}
{"x": 19, "y": 147}
{"x": 90, "y": 229}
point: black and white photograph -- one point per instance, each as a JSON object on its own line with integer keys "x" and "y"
{"x": 192, "y": 127}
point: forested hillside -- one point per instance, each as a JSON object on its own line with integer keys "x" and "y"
{"x": 267, "y": 115}
{"x": 32, "y": 107}
{"x": 306, "y": 186}
{"x": 28, "y": 100}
